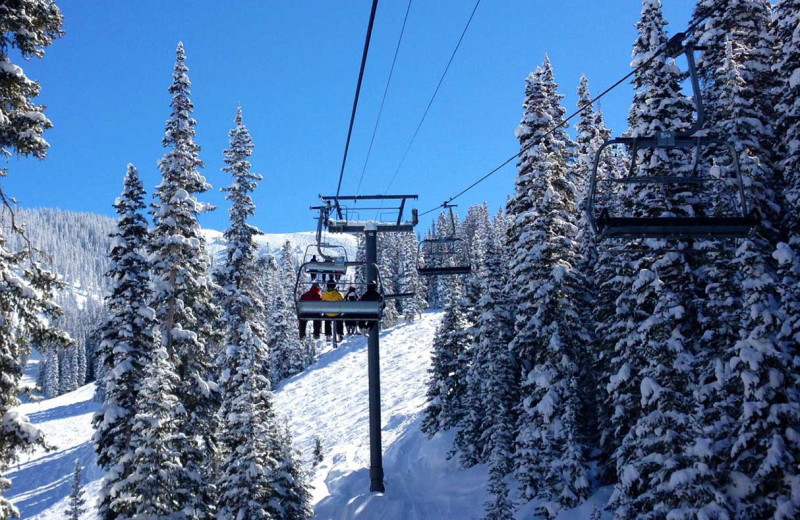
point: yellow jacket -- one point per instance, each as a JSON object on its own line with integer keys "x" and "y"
{"x": 332, "y": 296}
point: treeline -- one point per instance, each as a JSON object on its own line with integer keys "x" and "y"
{"x": 671, "y": 376}
{"x": 74, "y": 246}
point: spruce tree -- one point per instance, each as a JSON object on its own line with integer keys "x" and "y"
{"x": 66, "y": 379}
{"x": 655, "y": 467}
{"x": 491, "y": 381}
{"x": 758, "y": 394}
{"x": 26, "y": 28}
{"x": 545, "y": 286}
{"x": 446, "y": 386}
{"x": 183, "y": 288}
{"x": 251, "y": 484}
{"x": 51, "y": 382}
{"x": 287, "y": 352}
{"x": 413, "y": 282}
{"x": 787, "y": 254}
{"x": 291, "y": 498}
{"x": 128, "y": 338}
{"x": 76, "y": 501}
{"x": 161, "y": 485}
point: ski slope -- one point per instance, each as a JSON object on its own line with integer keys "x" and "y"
{"x": 329, "y": 400}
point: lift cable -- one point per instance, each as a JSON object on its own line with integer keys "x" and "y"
{"x": 435, "y": 92}
{"x": 566, "y": 120}
{"x": 383, "y": 101}
{"x": 358, "y": 92}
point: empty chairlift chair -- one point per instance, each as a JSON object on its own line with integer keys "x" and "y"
{"x": 446, "y": 255}
{"x": 329, "y": 259}
{"x": 726, "y": 215}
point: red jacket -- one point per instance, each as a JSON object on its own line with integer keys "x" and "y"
{"x": 315, "y": 293}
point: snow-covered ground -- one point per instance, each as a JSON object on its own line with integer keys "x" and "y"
{"x": 329, "y": 401}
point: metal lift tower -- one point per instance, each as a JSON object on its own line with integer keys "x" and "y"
{"x": 341, "y": 219}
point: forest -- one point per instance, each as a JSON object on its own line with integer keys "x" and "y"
{"x": 663, "y": 368}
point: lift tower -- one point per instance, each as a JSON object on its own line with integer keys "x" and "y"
{"x": 341, "y": 214}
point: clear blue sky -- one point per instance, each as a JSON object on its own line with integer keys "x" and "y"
{"x": 293, "y": 66}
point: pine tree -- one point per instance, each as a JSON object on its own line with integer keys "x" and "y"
{"x": 491, "y": 382}
{"x": 183, "y": 289}
{"x": 755, "y": 409}
{"x": 251, "y": 481}
{"x": 655, "y": 469}
{"x": 160, "y": 482}
{"x": 545, "y": 286}
{"x": 787, "y": 253}
{"x": 413, "y": 282}
{"x": 318, "y": 455}
{"x": 601, "y": 269}
{"x": 446, "y": 386}
{"x": 128, "y": 339}
{"x": 291, "y": 498}
{"x": 81, "y": 359}
{"x": 51, "y": 375}
{"x": 499, "y": 507}
{"x": 716, "y": 394}
{"x": 26, "y": 27}
{"x": 288, "y": 268}
{"x": 287, "y": 352}
{"x": 493, "y": 385}
{"x": 76, "y": 500}
{"x": 66, "y": 379}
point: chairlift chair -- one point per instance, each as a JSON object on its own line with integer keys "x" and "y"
{"x": 333, "y": 264}
{"x": 730, "y": 218}
{"x": 446, "y": 255}
{"x": 370, "y": 311}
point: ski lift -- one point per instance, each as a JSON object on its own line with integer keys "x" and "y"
{"x": 730, "y": 216}
{"x": 446, "y": 255}
{"x": 370, "y": 310}
{"x": 330, "y": 264}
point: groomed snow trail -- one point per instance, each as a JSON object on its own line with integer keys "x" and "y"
{"x": 40, "y": 482}
{"x": 330, "y": 401}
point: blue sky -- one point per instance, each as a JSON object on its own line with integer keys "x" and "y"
{"x": 293, "y": 66}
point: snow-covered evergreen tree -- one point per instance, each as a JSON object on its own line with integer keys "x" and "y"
{"x": 412, "y": 281}
{"x": 66, "y": 379}
{"x": 287, "y": 353}
{"x": 160, "y": 483}
{"x": 318, "y": 454}
{"x": 545, "y": 286}
{"x": 491, "y": 382}
{"x": 291, "y": 497}
{"x": 51, "y": 385}
{"x": 183, "y": 289}
{"x": 787, "y": 66}
{"x": 652, "y": 381}
{"x": 26, "y": 28}
{"x": 487, "y": 429}
{"x": 76, "y": 500}
{"x": 129, "y": 337}
{"x": 447, "y": 384}
{"x": 757, "y": 391}
{"x": 253, "y": 477}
